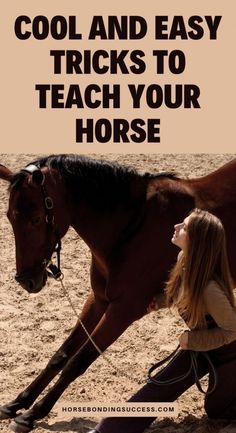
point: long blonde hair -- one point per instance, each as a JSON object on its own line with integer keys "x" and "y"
{"x": 205, "y": 259}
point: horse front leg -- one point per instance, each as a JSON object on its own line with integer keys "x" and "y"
{"x": 114, "y": 322}
{"x": 90, "y": 315}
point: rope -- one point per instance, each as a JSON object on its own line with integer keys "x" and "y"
{"x": 193, "y": 367}
{"x": 173, "y": 355}
{"x": 115, "y": 368}
{"x": 211, "y": 365}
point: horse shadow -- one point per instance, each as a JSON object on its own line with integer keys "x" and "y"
{"x": 189, "y": 424}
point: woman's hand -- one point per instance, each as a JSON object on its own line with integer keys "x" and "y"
{"x": 183, "y": 340}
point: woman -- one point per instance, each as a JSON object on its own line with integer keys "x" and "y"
{"x": 201, "y": 288}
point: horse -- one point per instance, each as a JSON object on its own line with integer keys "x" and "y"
{"x": 126, "y": 218}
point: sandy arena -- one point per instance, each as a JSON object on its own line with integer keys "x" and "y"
{"x": 32, "y": 327}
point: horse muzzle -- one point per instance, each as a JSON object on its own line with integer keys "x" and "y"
{"x": 32, "y": 282}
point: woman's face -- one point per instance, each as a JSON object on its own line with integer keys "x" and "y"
{"x": 180, "y": 234}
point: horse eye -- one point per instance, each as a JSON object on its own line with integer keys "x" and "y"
{"x": 35, "y": 221}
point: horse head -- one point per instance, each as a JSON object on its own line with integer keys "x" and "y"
{"x": 35, "y": 212}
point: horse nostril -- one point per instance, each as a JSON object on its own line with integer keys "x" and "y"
{"x": 31, "y": 285}
{"x": 28, "y": 285}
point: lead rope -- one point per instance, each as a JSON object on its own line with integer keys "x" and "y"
{"x": 173, "y": 355}
{"x": 214, "y": 373}
{"x": 115, "y": 368}
{"x": 193, "y": 367}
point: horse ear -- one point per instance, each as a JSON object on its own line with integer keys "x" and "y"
{"x": 5, "y": 173}
{"x": 38, "y": 177}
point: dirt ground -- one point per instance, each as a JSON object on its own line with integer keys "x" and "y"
{"x": 33, "y": 326}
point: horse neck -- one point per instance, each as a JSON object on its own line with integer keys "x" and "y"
{"x": 101, "y": 229}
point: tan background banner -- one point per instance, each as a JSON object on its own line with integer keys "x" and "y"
{"x": 210, "y": 65}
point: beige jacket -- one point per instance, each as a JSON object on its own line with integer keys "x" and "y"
{"x": 223, "y": 314}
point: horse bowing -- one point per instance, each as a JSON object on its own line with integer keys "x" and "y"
{"x": 76, "y": 364}
{"x": 127, "y": 221}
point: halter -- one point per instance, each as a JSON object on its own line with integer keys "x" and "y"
{"x": 52, "y": 269}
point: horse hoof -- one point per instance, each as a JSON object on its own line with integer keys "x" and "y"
{"x": 20, "y": 427}
{"x": 6, "y": 413}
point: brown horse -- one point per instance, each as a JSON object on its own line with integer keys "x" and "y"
{"x": 127, "y": 221}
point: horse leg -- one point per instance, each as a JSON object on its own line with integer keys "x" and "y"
{"x": 90, "y": 315}
{"x": 114, "y": 322}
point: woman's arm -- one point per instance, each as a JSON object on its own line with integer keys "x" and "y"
{"x": 220, "y": 309}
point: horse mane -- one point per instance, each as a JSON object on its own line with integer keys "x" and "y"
{"x": 104, "y": 183}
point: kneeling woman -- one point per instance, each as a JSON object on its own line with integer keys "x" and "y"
{"x": 201, "y": 288}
